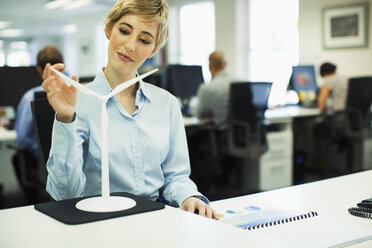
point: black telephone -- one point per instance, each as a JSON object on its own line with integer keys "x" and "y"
{"x": 364, "y": 209}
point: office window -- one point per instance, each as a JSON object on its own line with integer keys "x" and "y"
{"x": 2, "y": 54}
{"x": 18, "y": 54}
{"x": 196, "y": 35}
{"x": 273, "y": 44}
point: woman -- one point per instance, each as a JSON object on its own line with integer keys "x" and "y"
{"x": 147, "y": 144}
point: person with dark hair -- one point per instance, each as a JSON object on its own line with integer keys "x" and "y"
{"x": 26, "y": 134}
{"x": 24, "y": 126}
{"x": 332, "y": 100}
{"x": 333, "y": 92}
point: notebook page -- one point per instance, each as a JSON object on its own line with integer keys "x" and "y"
{"x": 313, "y": 231}
{"x": 317, "y": 232}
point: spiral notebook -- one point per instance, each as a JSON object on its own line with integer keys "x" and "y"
{"x": 258, "y": 216}
{"x": 308, "y": 229}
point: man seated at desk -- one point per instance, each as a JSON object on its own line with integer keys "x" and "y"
{"x": 24, "y": 126}
{"x": 213, "y": 98}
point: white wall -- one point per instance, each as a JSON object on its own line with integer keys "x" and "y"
{"x": 90, "y": 45}
{"x": 231, "y": 25}
{"x": 226, "y": 31}
{"x": 350, "y": 61}
{"x": 39, "y": 42}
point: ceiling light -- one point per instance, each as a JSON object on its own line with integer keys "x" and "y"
{"x": 53, "y": 4}
{"x": 11, "y": 32}
{"x": 4, "y": 24}
{"x": 77, "y": 4}
{"x": 69, "y": 28}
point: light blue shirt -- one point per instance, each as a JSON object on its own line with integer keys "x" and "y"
{"x": 147, "y": 150}
{"x": 24, "y": 124}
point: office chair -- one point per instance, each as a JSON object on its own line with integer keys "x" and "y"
{"x": 358, "y": 107}
{"x": 353, "y": 125}
{"x": 246, "y": 136}
{"x": 244, "y": 140}
{"x": 30, "y": 171}
{"x": 43, "y": 115}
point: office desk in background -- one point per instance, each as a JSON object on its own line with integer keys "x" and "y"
{"x": 171, "y": 227}
{"x": 275, "y": 168}
{"x": 289, "y": 113}
{"x": 7, "y": 135}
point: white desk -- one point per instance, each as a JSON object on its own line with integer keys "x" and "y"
{"x": 282, "y": 114}
{"x": 276, "y": 169}
{"x": 171, "y": 227}
{"x": 331, "y": 198}
{"x": 7, "y": 135}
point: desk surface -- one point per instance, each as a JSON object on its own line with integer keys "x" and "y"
{"x": 287, "y": 113}
{"x": 331, "y": 198}
{"x": 171, "y": 227}
{"x": 7, "y": 135}
{"x": 275, "y": 115}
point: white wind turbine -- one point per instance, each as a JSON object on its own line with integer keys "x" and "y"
{"x": 105, "y": 202}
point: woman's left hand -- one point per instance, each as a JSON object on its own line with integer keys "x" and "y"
{"x": 195, "y": 205}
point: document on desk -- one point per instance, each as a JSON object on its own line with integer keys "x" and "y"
{"x": 308, "y": 229}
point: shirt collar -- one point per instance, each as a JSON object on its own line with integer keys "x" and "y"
{"x": 104, "y": 88}
{"x": 221, "y": 74}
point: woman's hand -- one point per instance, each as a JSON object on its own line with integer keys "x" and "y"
{"x": 61, "y": 97}
{"x": 195, "y": 205}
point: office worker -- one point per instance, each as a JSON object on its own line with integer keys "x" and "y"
{"x": 147, "y": 145}
{"x": 213, "y": 98}
{"x": 24, "y": 125}
{"x": 333, "y": 92}
{"x": 331, "y": 101}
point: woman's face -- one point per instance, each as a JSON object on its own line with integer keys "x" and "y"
{"x": 132, "y": 41}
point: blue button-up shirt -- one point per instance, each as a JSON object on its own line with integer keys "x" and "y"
{"x": 147, "y": 150}
{"x": 24, "y": 124}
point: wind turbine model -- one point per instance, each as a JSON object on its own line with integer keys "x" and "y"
{"x": 105, "y": 202}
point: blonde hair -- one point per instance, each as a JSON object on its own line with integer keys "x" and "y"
{"x": 152, "y": 11}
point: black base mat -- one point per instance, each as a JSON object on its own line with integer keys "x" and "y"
{"x": 66, "y": 212}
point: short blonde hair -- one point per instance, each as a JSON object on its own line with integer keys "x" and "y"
{"x": 152, "y": 11}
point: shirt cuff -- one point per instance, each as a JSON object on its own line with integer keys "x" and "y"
{"x": 203, "y": 198}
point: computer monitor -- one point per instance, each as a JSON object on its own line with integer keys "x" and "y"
{"x": 303, "y": 78}
{"x": 303, "y": 81}
{"x": 183, "y": 82}
{"x": 15, "y": 81}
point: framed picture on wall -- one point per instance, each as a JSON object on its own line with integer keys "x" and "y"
{"x": 345, "y": 26}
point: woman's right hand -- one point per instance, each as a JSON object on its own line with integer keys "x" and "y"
{"x": 61, "y": 97}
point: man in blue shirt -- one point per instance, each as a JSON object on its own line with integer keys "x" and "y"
{"x": 24, "y": 126}
{"x": 26, "y": 136}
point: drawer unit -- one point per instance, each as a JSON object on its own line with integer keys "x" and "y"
{"x": 275, "y": 174}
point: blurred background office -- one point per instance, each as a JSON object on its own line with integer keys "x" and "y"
{"x": 261, "y": 39}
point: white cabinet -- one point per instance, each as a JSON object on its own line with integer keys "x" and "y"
{"x": 275, "y": 167}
